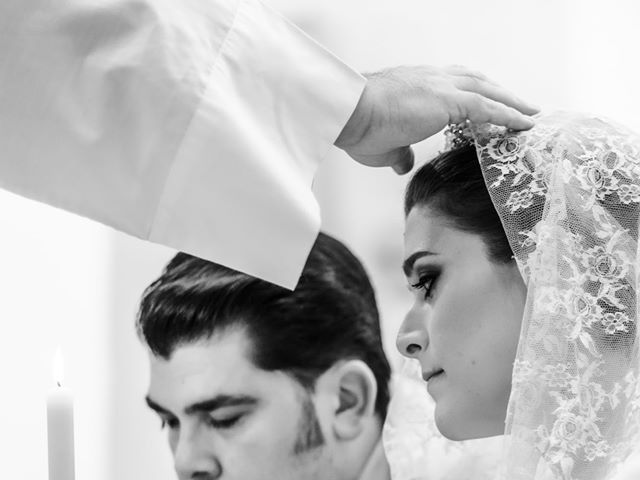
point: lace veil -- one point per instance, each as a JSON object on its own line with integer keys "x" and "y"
{"x": 568, "y": 195}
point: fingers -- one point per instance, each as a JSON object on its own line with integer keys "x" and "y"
{"x": 486, "y": 101}
{"x": 473, "y": 81}
{"x": 495, "y": 92}
{"x": 401, "y": 159}
{"x": 404, "y": 162}
{"x": 480, "y": 109}
{"x": 461, "y": 70}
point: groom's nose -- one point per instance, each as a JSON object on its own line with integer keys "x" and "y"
{"x": 194, "y": 458}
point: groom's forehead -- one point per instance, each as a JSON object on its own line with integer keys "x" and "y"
{"x": 218, "y": 365}
{"x": 222, "y": 359}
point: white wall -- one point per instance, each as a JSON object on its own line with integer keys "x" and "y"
{"x": 69, "y": 281}
{"x": 54, "y": 291}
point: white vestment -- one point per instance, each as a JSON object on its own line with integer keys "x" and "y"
{"x": 197, "y": 124}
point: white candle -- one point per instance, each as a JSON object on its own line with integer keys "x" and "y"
{"x": 60, "y": 426}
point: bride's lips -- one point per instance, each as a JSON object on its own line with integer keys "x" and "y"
{"x": 426, "y": 376}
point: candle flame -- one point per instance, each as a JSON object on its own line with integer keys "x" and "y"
{"x": 58, "y": 367}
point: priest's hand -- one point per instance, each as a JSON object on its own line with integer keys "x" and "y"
{"x": 404, "y": 105}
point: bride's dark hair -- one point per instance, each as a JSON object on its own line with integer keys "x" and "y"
{"x": 453, "y": 186}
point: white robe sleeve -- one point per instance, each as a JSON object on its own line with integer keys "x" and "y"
{"x": 197, "y": 124}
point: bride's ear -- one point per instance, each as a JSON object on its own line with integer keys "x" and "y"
{"x": 356, "y": 391}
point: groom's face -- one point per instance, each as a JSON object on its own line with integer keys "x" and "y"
{"x": 228, "y": 419}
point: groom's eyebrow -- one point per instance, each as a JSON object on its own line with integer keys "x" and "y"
{"x": 156, "y": 407}
{"x": 407, "y": 265}
{"x": 208, "y": 405}
{"x": 221, "y": 401}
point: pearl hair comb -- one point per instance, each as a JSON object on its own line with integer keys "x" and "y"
{"x": 458, "y": 135}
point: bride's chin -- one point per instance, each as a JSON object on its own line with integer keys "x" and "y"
{"x": 447, "y": 424}
{"x": 448, "y": 430}
{"x": 457, "y": 428}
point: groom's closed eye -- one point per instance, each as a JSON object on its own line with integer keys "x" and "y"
{"x": 221, "y": 412}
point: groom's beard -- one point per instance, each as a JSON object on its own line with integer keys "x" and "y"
{"x": 309, "y": 432}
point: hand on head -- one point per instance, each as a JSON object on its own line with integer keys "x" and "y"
{"x": 405, "y": 105}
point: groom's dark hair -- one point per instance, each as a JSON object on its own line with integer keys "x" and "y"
{"x": 330, "y": 316}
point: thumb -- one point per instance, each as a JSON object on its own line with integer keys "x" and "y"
{"x": 403, "y": 163}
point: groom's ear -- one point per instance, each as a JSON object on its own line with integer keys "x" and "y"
{"x": 355, "y": 391}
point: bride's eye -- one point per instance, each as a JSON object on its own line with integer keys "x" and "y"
{"x": 425, "y": 284}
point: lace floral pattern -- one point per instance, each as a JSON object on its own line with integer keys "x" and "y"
{"x": 568, "y": 195}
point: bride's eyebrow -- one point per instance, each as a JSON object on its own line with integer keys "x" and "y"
{"x": 407, "y": 265}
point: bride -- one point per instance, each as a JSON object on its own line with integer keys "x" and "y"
{"x": 521, "y": 250}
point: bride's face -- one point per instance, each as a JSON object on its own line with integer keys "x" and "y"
{"x": 463, "y": 326}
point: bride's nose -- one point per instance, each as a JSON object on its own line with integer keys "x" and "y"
{"x": 413, "y": 338}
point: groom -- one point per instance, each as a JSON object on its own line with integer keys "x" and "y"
{"x": 253, "y": 381}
